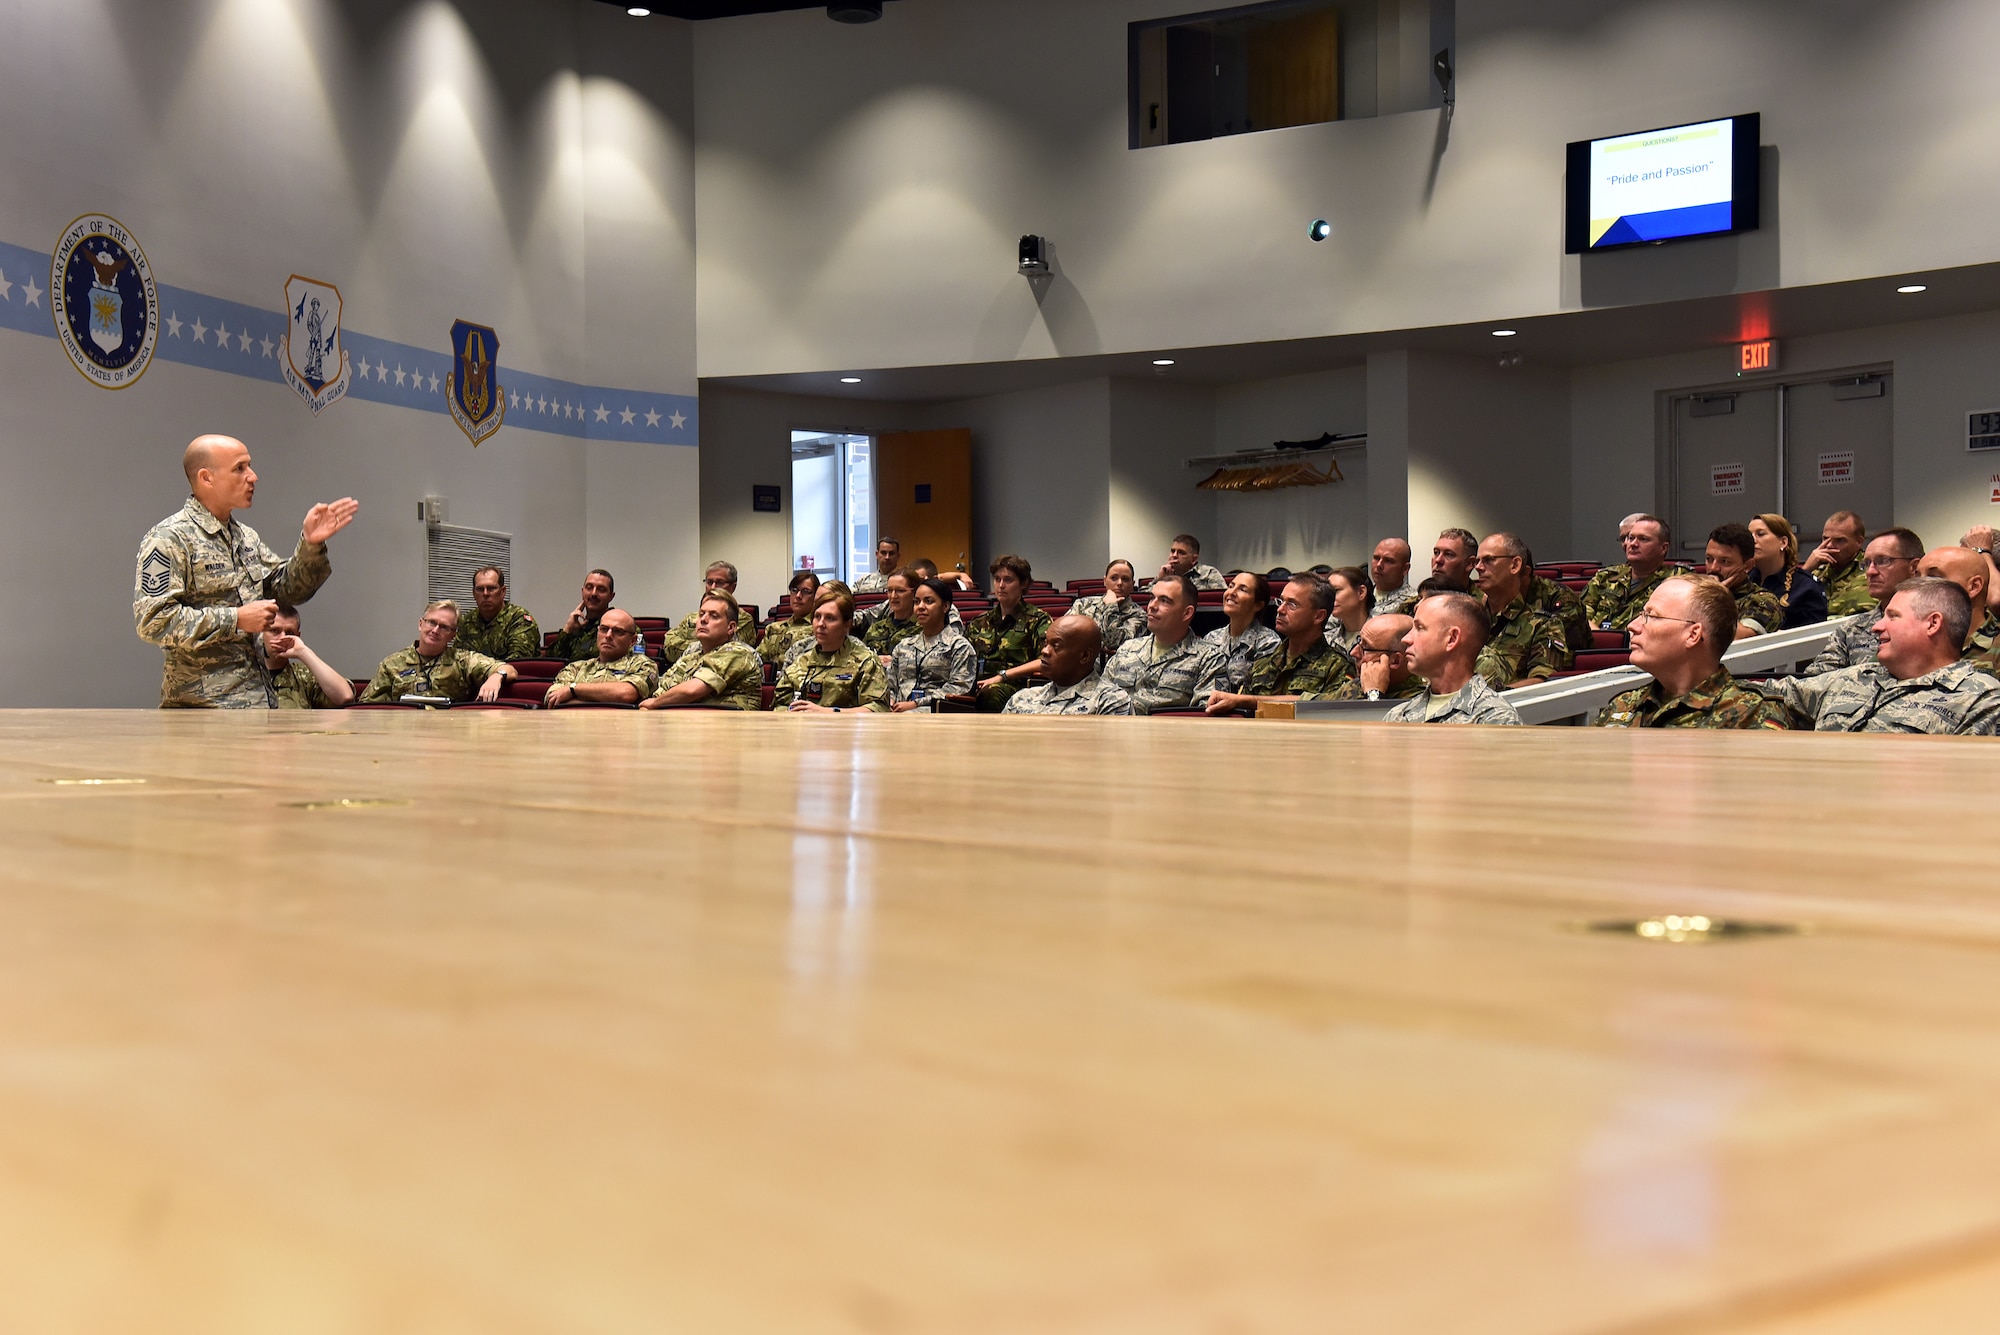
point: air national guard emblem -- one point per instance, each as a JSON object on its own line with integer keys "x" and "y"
{"x": 477, "y": 402}
{"x": 315, "y": 365}
{"x": 106, "y": 308}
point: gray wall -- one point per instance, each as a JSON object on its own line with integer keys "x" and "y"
{"x": 520, "y": 163}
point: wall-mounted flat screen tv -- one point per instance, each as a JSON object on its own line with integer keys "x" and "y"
{"x": 1662, "y": 185}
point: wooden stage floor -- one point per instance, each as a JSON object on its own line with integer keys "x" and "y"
{"x": 607, "y": 1023}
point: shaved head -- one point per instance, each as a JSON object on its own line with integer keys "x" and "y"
{"x": 1962, "y": 566}
{"x": 619, "y": 619}
{"x": 208, "y": 452}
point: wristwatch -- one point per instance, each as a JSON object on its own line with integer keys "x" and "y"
{"x": 1373, "y": 695}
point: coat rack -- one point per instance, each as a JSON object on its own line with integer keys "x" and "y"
{"x": 1286, "y": 464}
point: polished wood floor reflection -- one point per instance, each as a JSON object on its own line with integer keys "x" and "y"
{"x": 498, "y": 1022}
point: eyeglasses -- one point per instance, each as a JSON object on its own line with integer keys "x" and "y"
{"x": 1292, "y": 603}
{"x": 1650, "y": 615}
{"x": 441, "y": 627}
{"x": 1370, "y": 651}
{"x": 1884, "y": 562}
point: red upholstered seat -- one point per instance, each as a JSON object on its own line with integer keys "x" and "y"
{"x": 1609, "y": 639}
{"x": 528, "y": 690}
{"x": 539, "y": 669}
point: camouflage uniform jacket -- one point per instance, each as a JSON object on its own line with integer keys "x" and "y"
{"x": 1756, "y": 603}
{"x": 1396, "y": 601}
{"x": 1718, "y": 702}
{"x": 1613, "y": 597}
{"x": 872, "y": 582}
{"x": 1008, "y": 642}
{"x": 1341, "y": 638}
{"x": 1240, "y": 653}
{"x": 1409, "y": 688}
{"x": 1853, "y": 644}
{"x": 681, "y": 638}
{"x": 1117, "y": 622}
{"x": 946, "y": 665}
{"x": 780, "y": 636}
{"x": 1957, "y": 698}
{"x": 1158, "y": 676}
{"x": 455, "y": 674}
{"x": 885, "y": 633}
{"x": 634, "y": 667}
{"x": 1316, "y": 674}
{"x": 1092, "y": 695}
{"x": 1203, "y": 577}
{"x": 1846, "y": 589}
{"x": 848, "y": 678}
{"x": 1476, "y": 702}
{"x": 1982, "y": 646}
{"x": 1564, "y": 606}
{"x": 865, "y": 616}
{"x": 194, "y": 571}
{"x": 731, "y": 671}
{"x": 1525, "y": 645}
{"x": 573, "y": 646}
{"x": 512, "y": 633}
{"x": 297, "y": 688}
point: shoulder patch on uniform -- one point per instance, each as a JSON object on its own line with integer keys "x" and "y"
{"x": 156, "y": 572}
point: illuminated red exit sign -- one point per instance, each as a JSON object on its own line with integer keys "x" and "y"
{"x": 1759, "y": 356}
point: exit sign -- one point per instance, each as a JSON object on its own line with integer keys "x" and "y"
{"x": 1752, "y": 358}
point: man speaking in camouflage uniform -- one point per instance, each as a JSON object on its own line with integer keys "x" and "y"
{"x": 207, "y": 586}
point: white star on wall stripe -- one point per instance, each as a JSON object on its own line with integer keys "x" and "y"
{"x": 5, "y": 286}
{"x": 31, "y": 292}
{"x": 626, "y": 416}
{"x": 678, "y": 421}
{"x": 200, "y": 330}
{"x": 652, "y": 417}
{"x": 268, "y": 345}
{"x": 174, "y": 324}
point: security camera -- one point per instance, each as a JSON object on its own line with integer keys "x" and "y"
{"x": 1034, "y": 255}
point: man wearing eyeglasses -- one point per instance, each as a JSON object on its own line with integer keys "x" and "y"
{"x": 720, "y": 577}
{"x": 1890, "y": 558}
{"x": 432, "y": 666}
{"x": 1384, "y": 662}
{"x": 1526, "y": 646}
{"x": 1304, "y": 666}
{"x": 1615, "y": 593}
{"x": 619, "y": 675}
{"x": 1678, "y": 637}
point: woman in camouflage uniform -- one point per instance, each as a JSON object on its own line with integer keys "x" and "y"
{"x": 1245, "y": 639}
{"x": 1118, "y": 618}
{"x": 779, "y": 636}
{"x": 838, "y": 673}
{"x": 1008, "y": 635}
{"x": 1353, "y": 604}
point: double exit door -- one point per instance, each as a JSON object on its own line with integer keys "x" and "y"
{"x": 1803, "y": 450}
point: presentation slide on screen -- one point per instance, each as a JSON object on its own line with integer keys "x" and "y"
{"x": 1661, "y": 184}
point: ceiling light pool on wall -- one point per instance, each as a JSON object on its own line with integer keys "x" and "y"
{"x": 1505, "y": 333}
{"x": 850, "y": 380}
{"x": 1909, "y": 288}
{"x": 639, "y": 11}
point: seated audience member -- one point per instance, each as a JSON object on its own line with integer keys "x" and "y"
{"x": 804, "y": 643}
{"x": 1353, "y": 604}
{"x": 1446, "y": 634}
{"x": 935, "y": 663}
{"x": 928, "y": 569}
{"x": 720, "y": 577}
{"x": 1616, "y": 593}
{"x": 300, "y": 677}
{"x": 1564, "y": 606}
{"x": 1777, "y": 560}
{"x": 1453, "y": 555}
{"x": 1730, "y": 551}
{"x": 921, "y": 569}
{"x": 1679, "y": 637}
{"x": 1184, "y": 558}
{"x": 1383, "y": 659}
{"x": 1918, "y": 682}
{"x": 779, "y": 635}
{"x": 618, "y": 675}
{"x": 578, "y": 636}
{"x": 431, "y": 666}
{"x": 1169, "y": 667}
{"x": 1389, "y": 572}
{"x": 1303, "y": 666}
{"x": 885, "y": 632}
{"x": 1836, "y": 564}
{"x": 1118, "y": 617}
{"x": 1008, "y": 635}
{"x": 1968, "y": 569}
{"x": 888, "y": 556}
{"x": 1074, "y": 686}
{"x": 497, "y": 628}
{"x": 1245, "y": 639}
{"x": 837, "y": 674}
{"x": 1523, "y": 646}
{"x": 1891, "y": 558}
{"x": 1984, "y": 539}
{"x": 717, "y": 669}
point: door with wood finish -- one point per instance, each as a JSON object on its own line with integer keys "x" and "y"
{"x": 923, "y": 494}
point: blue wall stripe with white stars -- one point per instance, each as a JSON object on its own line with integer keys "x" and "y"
{"x": 243, "y": 340}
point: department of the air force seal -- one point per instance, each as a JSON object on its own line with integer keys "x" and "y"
{"x": 106, "y": 309}
{"x": 478, "y": 404}
{"x": 315, "y": 365}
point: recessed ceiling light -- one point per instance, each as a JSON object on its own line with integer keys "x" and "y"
{"x": 850, "y": 380}
{"x": 1163, "y": 361}
{"x": 638, "y": 11}
{"x": 1913, "y": 287}
{"x": 1504, "y": 333}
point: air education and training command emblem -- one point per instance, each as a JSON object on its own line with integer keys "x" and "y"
{"x": 477, "y": 402}
{"x": 315, "y": 365}
{"x": 106, "y": 308}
